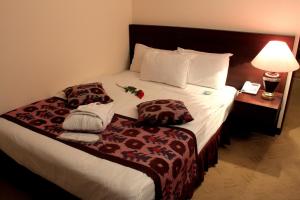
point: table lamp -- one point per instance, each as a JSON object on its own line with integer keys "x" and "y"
{"x": 273, "y": 58}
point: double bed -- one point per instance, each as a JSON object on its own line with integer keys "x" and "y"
{"x": 91, "y": 177}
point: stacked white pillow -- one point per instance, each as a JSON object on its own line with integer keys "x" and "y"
{"x": 165, "y": 67}
{"x": 207, "y": 69}
{"x": 140, "y": 51}
{"x": 159, "y": 65}
{"x": 181, "y": 66}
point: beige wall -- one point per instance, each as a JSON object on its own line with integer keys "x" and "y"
{"x": 278, "y": 16}
{"x": 46, "y": 45}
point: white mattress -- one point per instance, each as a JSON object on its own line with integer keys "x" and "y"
{"x": 90, "y": 177}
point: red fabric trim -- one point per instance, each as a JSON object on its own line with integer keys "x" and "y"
{"x": 208, "y": 156}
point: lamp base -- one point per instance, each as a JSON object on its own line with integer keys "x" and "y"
{"x": 267, "y": 95}
{"x": 270, "y": 81}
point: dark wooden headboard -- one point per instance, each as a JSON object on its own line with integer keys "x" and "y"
{"x": 245, "y": 46}
{"x": 296, "y": 74}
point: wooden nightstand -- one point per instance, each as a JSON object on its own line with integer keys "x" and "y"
{"x": 252, "y": 113}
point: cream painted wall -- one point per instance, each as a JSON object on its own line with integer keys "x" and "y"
{"x": 46, "y": 45}
{"x": 277, "y": 16}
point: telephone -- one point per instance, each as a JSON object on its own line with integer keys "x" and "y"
{"x": 251, "y": 88}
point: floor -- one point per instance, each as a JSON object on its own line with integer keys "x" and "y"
{"x": 253, "y": 167}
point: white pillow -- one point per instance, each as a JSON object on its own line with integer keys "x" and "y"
{"x": 165, "y": 67}
{"x": 207, "y": 69}
{"x": 139, "y": 52}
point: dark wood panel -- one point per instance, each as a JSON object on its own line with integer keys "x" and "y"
{"x": 257, "y": 100}
{"x": 297, "y": 73}
{"x": 298, "y": 53}
{"x": 247, "y": 117}
{"x": 245, "y": 46}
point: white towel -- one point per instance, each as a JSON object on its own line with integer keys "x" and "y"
{"x": 79, "y": 137}
{"x": 93, "y": 117}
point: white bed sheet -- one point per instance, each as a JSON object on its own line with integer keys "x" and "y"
{"x": 90, "y": 177}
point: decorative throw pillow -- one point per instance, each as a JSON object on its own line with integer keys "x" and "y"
{"x": 86, "y": 93}
{"x": 163, "y": 112}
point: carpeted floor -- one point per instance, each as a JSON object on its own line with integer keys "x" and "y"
{"x": 259, "y": 167}
{"x": 253, "y": 167}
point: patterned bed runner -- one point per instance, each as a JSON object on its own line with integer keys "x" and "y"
{"x": 167, "y": 155}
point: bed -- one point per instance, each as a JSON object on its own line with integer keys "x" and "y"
{"x": 91, "y": 177}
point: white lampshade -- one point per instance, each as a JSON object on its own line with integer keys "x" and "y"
{"x": 276, "y": 57}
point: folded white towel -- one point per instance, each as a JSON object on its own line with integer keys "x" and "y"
{"x": 93, "y": 117}
{"x": 79, "y": 137}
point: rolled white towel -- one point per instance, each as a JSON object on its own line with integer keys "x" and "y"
{"x": 79, "y": 137}
{"x": 92, "y": 117}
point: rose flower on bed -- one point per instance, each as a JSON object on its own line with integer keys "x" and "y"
{"x": 133, "y": 90}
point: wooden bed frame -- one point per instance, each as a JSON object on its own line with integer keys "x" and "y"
{"x": 244, "y": 46}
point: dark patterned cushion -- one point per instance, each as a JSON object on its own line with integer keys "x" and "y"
{"x": 163, "y": 112}
{"x": 86, "y": 93}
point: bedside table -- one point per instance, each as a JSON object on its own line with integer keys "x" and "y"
{"x": 252, "y": 113}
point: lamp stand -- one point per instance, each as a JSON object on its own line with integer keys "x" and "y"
{"x": 270, "y": 81}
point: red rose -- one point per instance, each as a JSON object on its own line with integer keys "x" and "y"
{"x": 133, "y": 90}
{"x": 140, "y": 94}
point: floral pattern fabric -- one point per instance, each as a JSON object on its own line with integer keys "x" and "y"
{"x": 163, "y": 112}
{"x": 167, "y": 155}
{"x": 86, "y": 93}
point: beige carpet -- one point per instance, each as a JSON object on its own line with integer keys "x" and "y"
{"x": 259, "y": 167}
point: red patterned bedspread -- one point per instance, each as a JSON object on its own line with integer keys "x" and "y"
{"x": 167, "y": 155}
